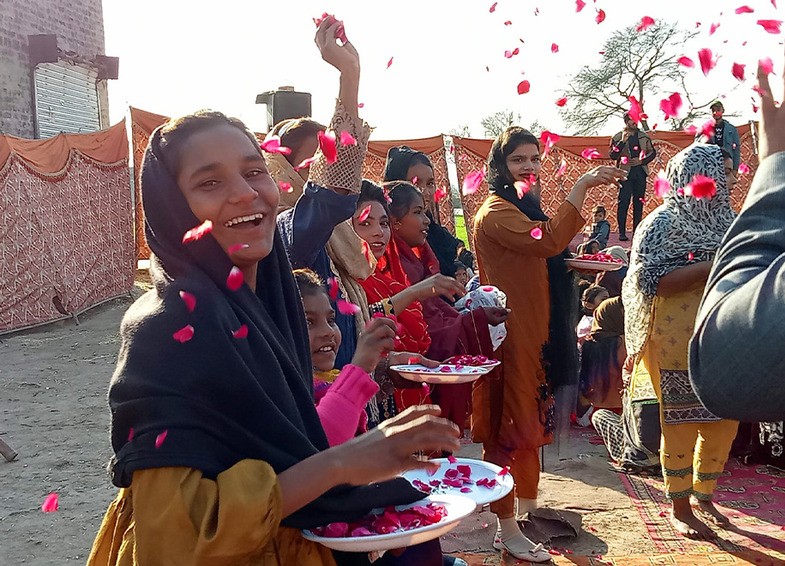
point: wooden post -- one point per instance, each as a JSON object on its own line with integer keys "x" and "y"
{"x": 8, "y": 453}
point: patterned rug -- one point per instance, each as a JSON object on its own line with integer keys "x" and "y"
{"x": 752, "y": 497}
{"x": 670, "y": 559}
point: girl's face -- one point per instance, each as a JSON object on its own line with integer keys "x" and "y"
{"x": 421, "y": 176}
{"x": 225, "y": 179}
{"x": 375, "y": 229}
{"x": 324, "y": 335}
{"x": 413, "y": 227}
{"x": 523, "y": 162}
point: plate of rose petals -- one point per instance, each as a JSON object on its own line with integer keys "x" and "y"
{"x": 482, "y": 482}
{"x": 595, "y": 262}
{"x": 473, "y": 361}
{"x": 395, "y": 527}
{"x": 444, "y": 373}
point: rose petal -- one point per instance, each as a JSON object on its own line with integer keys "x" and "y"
{"x": 472, "y": 181}
{"x": 690, "y": 256}
{"x": 159, "y": 440}
{"x": 466, "y": 490}
{"x": 233, "y": 249}
{"x": 766, "y": 65}
{"x": 189, "y": 300}
{"x": 636, "y": 112}
{"x": 305, "y": 163}
{"x": 130, "y": 434}
{"x": 737, "y": 70}
{"x": 504, "y": 471}
{"x": 389, "y": 62}
{"x": 713, "y": 28}
{"x": 771, "y": 26}
{"x": 364, "y": 213}
{"x": 536, "y": 233}
{"x": 743, "y": 168}
{"x": 439, "y": 194}
{"x": 508, "y": 23}
{"x": 492, "y": 9}
{"x": 645, "y": 23}
{"x": 561, "y": 102}
{"x": 272, "y": 144}
{"x": 744, "y": 10}
{"x": 548, "y": 140}
{"x": 452, "y": 459}
{"x": 332, "y": 284}
{"x": 562, "y": 168}
{"x": 554, "y": 48}
{"x": 523, "y": 87}
{"x": 521, "y": 187}
{"x": 579, "y": 5}
{"x": 327, "y": 145}
{"x": 590, "y": 153}
{"x": 235, "y": 279}
{"x": 347, "y": 138}
{"x": 671, "y": 106}
{"x": 347, "y": 308}
{"x": 285, "y": 187}
{"x": 198, "y": 232}
{"x": 600, "y": 16}
{"x": 51, "y": 503}
{"x": 241, "y": 332}
{"x": 184, "y": 334}
{"x": 661, "y": 184}
{"x": 707, "y": 60}
{"x": 686, "y": 62}
{"x": 701, "y": 187}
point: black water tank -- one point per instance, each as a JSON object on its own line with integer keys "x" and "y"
{"x": 284, "y": 103}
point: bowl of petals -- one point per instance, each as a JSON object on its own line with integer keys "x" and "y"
{"x": 447, "y": 372}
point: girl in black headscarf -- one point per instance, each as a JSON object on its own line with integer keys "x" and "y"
{"x": 219, "y": 452}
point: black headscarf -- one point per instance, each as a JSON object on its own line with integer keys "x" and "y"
{"x": 560, "y": 352}
{"x": 442, "y": 242}
{"x": 220, "y": 399}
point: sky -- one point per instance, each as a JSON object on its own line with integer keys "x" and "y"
{"x": 178, "y": 56}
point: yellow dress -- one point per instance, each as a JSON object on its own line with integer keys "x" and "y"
{"x": 176, "y": 517}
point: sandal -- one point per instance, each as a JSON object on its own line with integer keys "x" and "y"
{"x": 538, "y": 554}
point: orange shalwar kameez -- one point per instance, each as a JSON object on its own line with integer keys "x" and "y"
{"x": 507, "y": 416}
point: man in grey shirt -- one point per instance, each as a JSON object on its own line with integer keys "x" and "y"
{"x": 737, "y": 352}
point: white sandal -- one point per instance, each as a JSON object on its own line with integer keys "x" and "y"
{"x": 538, "y": 554}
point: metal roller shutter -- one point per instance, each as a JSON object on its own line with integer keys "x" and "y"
{"x": 66, "y": 99}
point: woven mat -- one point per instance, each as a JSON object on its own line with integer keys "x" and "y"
{"x": 670, "y": 559}
{"x": 752, "y": 497}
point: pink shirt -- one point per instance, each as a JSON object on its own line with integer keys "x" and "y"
{"x": 341, "y": 407}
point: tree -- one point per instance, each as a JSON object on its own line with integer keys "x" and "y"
{"x": 461, "y": 131}
{"x": 494, "y": 124}
{"x": 635, "y": 63}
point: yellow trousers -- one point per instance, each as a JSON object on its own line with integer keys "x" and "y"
{"x": 525, "y": 469}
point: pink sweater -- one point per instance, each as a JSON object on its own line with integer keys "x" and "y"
{"x": 341, "y": 407}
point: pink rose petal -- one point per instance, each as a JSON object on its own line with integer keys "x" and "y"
{"x": 236, "y": 248}
{"x": 737, "y": 70}
{"x": 661, "y": 184}
{"x": 562, "y": 168}
{"x": 51, "y": 503}
{"x": 305, "y": 163}
{"x": 771, "y": 26}
{"x": 241, "y": 332}
{"x": 198, "y": 232}
{"x": 189, "y": 300}
{"x": 439, "y": 194}
{"x": 744, "y": 10}
{"x": 579, "y": 5}
{"x": 327, "y": 145}
{"x": 492, "y": 9}
{"x": 636, "y": 112}
{"x": 645, "y": 23}
{"x": 590, "y": 153}
{"x": 285, "y": 187}
{"x": 536, "y": 233}
{"x": 686, "y": 62}
{"x": 524, "y": 86}
{"x": 701, "y": 187}
{"x": 272, "y": 144}
{"x": 452, "y": 459}
{"x": 389, "y": 62}
{"x": 466, "y": 490}
{"x": 554, "y": 48}
{"x": 561, "y": 102}
{"x": 743, "y": 168}
{"x": 690, "y": 256}
{"x": 508, "y": 23}
{"x": 713, "y": 28}
{"x": 159, "y": 440}
{"x": 347, "y": 308}
{"x": 332, "y": 284}
{"x": 707, "y": 60}
{"x": 184, "y": 334}
{"x": 766, "y": 65}
{"x": 521, "y": 187}
{"x": 235, "y": 279}
{"x": 671, "y": 106}
{"x": 364, "y": 213}
{"x": 347, "y": 138}
{"x": 600, "y": 16}
{"x": 472, "y": 181}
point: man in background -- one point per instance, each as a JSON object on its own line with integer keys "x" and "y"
{"x": 725, "y": 134}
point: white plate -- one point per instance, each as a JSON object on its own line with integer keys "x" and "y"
{"x": 479, "y": 469}
{"x": 457, "y": 509}
{"x": 589, "y": 265}
{"x": 422, "y": 374}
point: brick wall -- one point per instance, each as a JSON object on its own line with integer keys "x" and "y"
{"x": 79, "y": 27}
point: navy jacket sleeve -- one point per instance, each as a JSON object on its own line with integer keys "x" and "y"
{"x": 737, "y": 364}
{"x": 307, "y": 227}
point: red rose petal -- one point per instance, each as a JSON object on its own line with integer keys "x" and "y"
{"x": 771, "y": 26}
{"x": 285, "y": 187}
{"x": 738, "y": 71}
{"x": 690, "y": 256}
{"x": 235, "y": 279}
{"x": 389, "y": 62}
{"x": 536, "y": 233}
{"x": 236, "y": 248}
{"x": 466, "y": 490}
{"x": 272, "y": 144}
{"x": 439, "y": 194}
{"x": 305, "y": 163}
{"x": 364, "y": 213}
{"x": 523, "y": 87}
{"x": 347, "y": 138}
{"x": 707, "y": 60}
{"x": 590, "y": 153}
{"x": 451, "y": 459}
{"x": 347, "y": 308}
{"x": 686, "y": 62}
{"x": 600, "y": 16}
{"x": 198, "y": 232}
{"x": 636, "y": 112}
{"x": 504, "y": 471}
{"x": 189, "y": 300}
{"x": 332, "y": 283}
{"x": 554, "y": 48}
{"x": 184, "y": 334}
{"x": 472, "y": 181}
{"x": 561, "y": 102}
{"x": 701, "y": 187}
{"x": 645, "y": 23}
{"x": 744, "y": 10}
{"x": 159, "y": 440}
{"x": 51, "y": 503}
{"x": 661, "y": 184}
{"x": 327, "y": 145}
{"x": 241, "y": 332}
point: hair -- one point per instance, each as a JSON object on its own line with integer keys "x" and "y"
{"x": 597, "y": 357}
{"x": 177, "y": 130}
{"x": 626, "y": 116}
{"x": 599, "y": 208}
{"x": 421, "y": 159}
{"x": 583, "y": 284}
{"x": 402, "y": 195}
{"x": 592, "y": 292}
{"x": 458, "y": 266}
{"x": 507, "y": 142}
{"x": 371, "y": 192}
{"x": 590, "y": 243}
{"x": 294, "y": 131}
{"x": 716, "y": 104}
{"x": 466, "y": 257}
{"x": 309, "y": 283}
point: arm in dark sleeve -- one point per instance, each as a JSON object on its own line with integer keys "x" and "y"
{"x": 615, "y": 150}
{"x": 308, "y": 226}
{"x": 736, "y": 360}
{"x": 651, "y": 152}
{"x": 603, "y": 233}
{"x": 735, "y": 148}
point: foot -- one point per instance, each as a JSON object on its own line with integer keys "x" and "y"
{"x": 522, "y": 548}
{"x": 689, "y": 525}
{"x": 623, "y": 237}
{"x": 708, "y": 508}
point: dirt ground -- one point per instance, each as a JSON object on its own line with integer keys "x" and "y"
{"x": 53, "y": 383}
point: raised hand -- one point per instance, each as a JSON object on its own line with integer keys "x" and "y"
{"x": 375, "y": 341}
{"x": 772, "y": 120}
